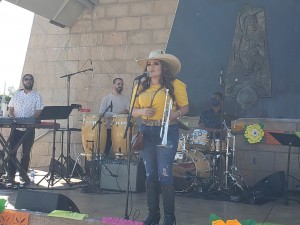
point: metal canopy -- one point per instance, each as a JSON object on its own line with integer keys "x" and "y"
{"x": 60, "y": 12}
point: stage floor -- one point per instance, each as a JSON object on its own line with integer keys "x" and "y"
{"x": 192, "y": 211}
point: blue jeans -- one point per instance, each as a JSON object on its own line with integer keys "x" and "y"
{"x": 158, "y": 160}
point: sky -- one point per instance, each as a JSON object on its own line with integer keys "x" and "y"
{"x": 15, "y": 28}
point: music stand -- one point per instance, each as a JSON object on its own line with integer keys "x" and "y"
{"x": 54, "y": 113}
{"x": 290, "y": 140}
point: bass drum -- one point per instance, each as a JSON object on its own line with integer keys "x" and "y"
{"x": 90, "y": 135}
{"x": 188, "y": 167}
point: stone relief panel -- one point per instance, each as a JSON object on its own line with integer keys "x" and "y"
{"x": 248, "y": 74}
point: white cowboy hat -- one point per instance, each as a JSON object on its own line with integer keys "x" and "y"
{"x": 171, "y": 60}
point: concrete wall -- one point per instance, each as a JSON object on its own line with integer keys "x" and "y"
{"x": 112, "y": 35}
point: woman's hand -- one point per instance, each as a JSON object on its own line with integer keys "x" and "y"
{"x": 148, "y": 112}
{"x": 179, "y": 112}
{"x": 175, "y": 115}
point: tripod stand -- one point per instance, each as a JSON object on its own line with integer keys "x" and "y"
{"x": 232, "y": 171}
{"x": 93, "y": 186}
{"x": 232, "y": 178}
{"x": 68, "y": 122}
{"x": 54, "y": 113}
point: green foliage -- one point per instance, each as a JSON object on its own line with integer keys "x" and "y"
{"x": 11, "y": 91}
{"x": 2, "y": 204}
{"x": 7, "y": 98}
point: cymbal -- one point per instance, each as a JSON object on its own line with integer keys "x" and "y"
{"x": 227, "y": 117}
{"x": 182, "y": 126}
{"x": 238, "y": 128}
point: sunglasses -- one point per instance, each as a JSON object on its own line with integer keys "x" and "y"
{"x": 28, "y": 79}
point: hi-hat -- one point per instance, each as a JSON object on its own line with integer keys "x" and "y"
{"x": 227, "y": 117}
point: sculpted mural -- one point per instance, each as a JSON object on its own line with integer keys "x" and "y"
{"x": 248, "y": 74}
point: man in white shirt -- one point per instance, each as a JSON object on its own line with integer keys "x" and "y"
{"x": 24, "y": 104}
{"x": 119, "y": 104}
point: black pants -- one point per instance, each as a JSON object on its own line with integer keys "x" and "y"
{"x": 108, "y": 143}
{"x": 26, "y": 149}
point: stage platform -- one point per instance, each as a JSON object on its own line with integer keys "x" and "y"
{"x": 189, "y": 210}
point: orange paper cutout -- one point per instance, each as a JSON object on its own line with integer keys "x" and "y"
{"x": 10, "y": 217}
{"x": 269, "y": 139}
{"x": 228, "y": 222}
{"x": 218, "y": 222}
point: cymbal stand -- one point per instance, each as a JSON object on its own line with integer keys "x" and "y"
{"x": 216, "y": 183}
{"x": 232, "y": 171}
{"x": 228, "y": 136}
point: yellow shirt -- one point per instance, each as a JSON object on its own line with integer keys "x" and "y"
{"x": 144, "y": 99}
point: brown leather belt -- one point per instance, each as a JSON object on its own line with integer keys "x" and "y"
{"x": 155, "y": 122}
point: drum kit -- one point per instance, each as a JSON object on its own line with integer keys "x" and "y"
{"x": 206, "y": 164}
{"x": 202, "y": 162}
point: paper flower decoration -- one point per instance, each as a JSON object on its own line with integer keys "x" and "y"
{"x": 254, "y": 133}
{"x": 216, "y": 220}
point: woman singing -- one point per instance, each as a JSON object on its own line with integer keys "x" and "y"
{"x": 150, "y": 105}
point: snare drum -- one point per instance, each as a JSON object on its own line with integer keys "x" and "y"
{"x": 118, "y": 127}
{"x": 90, "y": 135}
{"x": 199, "y": 137}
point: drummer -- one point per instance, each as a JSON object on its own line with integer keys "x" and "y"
{"x": 211, "y": 119}
{"x": 117, "y": 104}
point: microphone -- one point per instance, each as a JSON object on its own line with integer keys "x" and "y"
{"x": 221, "y": 81}
{"x": 111, "y": 106}
{"x": 139, "y": 77}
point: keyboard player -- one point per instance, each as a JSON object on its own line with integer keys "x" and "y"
{"x": 24, "y": 104}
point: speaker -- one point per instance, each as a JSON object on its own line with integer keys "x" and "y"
{"x": 114, "y": 173}
{"x": 44, "y": 202}
{"x": 271, "y": 186}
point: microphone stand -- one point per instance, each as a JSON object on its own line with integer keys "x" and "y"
{"x": 68, "y": 120}
{"x": 93, "y": 187}
{"x": 129, "y": 127}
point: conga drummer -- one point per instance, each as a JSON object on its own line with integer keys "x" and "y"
{"x": 117, "y": 104}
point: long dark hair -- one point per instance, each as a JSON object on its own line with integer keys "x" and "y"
{"x": 165, "y": 80}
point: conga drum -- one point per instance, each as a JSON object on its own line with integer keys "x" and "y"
{"x": 90, "y": 136}
{"x": 118, "y": 127}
